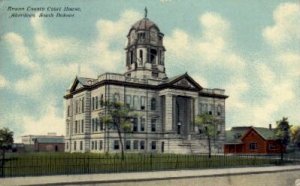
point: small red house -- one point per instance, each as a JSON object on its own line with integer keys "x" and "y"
{"x": 251, "y": 140}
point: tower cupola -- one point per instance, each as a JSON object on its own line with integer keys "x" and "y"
{"x": 145, "y": 50}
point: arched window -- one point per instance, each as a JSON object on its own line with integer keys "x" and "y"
{"x": 153, "y": 104}
{"x": 101, "y": 100}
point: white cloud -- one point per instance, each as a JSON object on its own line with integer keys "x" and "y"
{"x": 20, "y": 51}
{"x": 31, "y": 86}
{"x": 49, "y": 47}
{"x": 115, "y": 30}
{"x": 3, "y": 82}
{"x": 48, "y": 122}
{"x": 235, "y": 89}
{"x": 286, "y": 27}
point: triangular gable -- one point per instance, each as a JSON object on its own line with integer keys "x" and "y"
{"x": 252, "y": 130}
{"x": 76, "y": 85}
{"x": 184, "y": 81}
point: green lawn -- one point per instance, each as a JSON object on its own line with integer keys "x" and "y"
{"x": 78, "y": 163}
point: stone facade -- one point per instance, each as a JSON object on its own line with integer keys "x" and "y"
{"x": 166, "y": 107}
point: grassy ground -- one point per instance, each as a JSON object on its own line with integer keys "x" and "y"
{"x": 78, "y": 163}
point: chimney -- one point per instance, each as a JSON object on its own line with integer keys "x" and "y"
{"x": 270, "y": 126}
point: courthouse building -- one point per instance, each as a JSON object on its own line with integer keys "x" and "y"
{"x": 166, "y": 106}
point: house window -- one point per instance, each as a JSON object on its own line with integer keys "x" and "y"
{"x": 153, "y": 125}
{"x": 142, "y": 124}
{"x": 153, "y": 104}
{"x": 142, "y": 145}
{"x": 135, "y": 125}
{"x": 153, "y": 145}
{"x": 74, "y": 145}
{"x": 81, "y": 144}
{"x": 127, "y": 145}
{"x": 135, "y": 144}
{"x": 136, "y": 102}
{"x": 253, "y": 146}
{"x": 100, "y": 145}
{"x": 143, "y": 102}
{"x": 116, "y": 145}
{"x": 272, "y": 146}
{"x": 95, "y": 145}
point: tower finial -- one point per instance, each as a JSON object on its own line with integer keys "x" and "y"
{"x": 146, "y": 12}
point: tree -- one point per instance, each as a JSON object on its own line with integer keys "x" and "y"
{"x": 295, "y": 135}
{"x": 119, "y": 116}
{"x": 6, "y": 141}
{"x": 282, "y": 132}
{"x": 207, "y": 125}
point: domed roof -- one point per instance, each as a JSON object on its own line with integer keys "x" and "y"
{"x": 144, "y": 24}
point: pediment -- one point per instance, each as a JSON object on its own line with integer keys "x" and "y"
{"x": 184, "y": 83}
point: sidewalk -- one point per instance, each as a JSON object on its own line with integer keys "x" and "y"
{"x": 140, "y": 176}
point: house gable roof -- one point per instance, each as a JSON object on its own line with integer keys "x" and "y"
{"x": 236, "y": 134}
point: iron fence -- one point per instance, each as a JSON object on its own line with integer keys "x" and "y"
{"x": 58, "y": 164}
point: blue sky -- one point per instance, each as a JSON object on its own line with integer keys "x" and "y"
{"x": 249, "y": 48}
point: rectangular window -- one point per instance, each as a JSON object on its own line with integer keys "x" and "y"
{"x": 74, "y": 145}
{"x": 143, "y": 102}
{"x": 93, "y": 101}
{"x": 135, "y": 124}
{"x": 272, "y": 146}
{"x": 82, "y": 104}
{"x": 100, "y": 145}
{"x": 153, "y": 125}
{"x": 96, "y": 145}
{"x": 142, "y": 145}
{"x": 116, "y": 145}
{"x": 93, "y": 145}
{"x": 67, "y": 145}
{"x": 96, "y": 124}
{"x": 136, "y": 102}
{"x": 253, "y": 146}
{"x": 93, "y": 125}
{"x": 128, "y": 100}
{"x": 101, "y": 124}
{"x": 96, "y": 102}
{"x": 135, "y": 144}
{"x": 127, "y": 145}
{"x": 82, "y": 126}
{"x": 68, "y": 111}
{"x": 75, "y": 127}
{"x": 143, "y": 124}
{"x": 153, "y": 145}
{"x": 81, "y": 145}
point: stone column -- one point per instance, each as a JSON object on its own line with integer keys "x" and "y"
{"x": 168, "y": 112}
